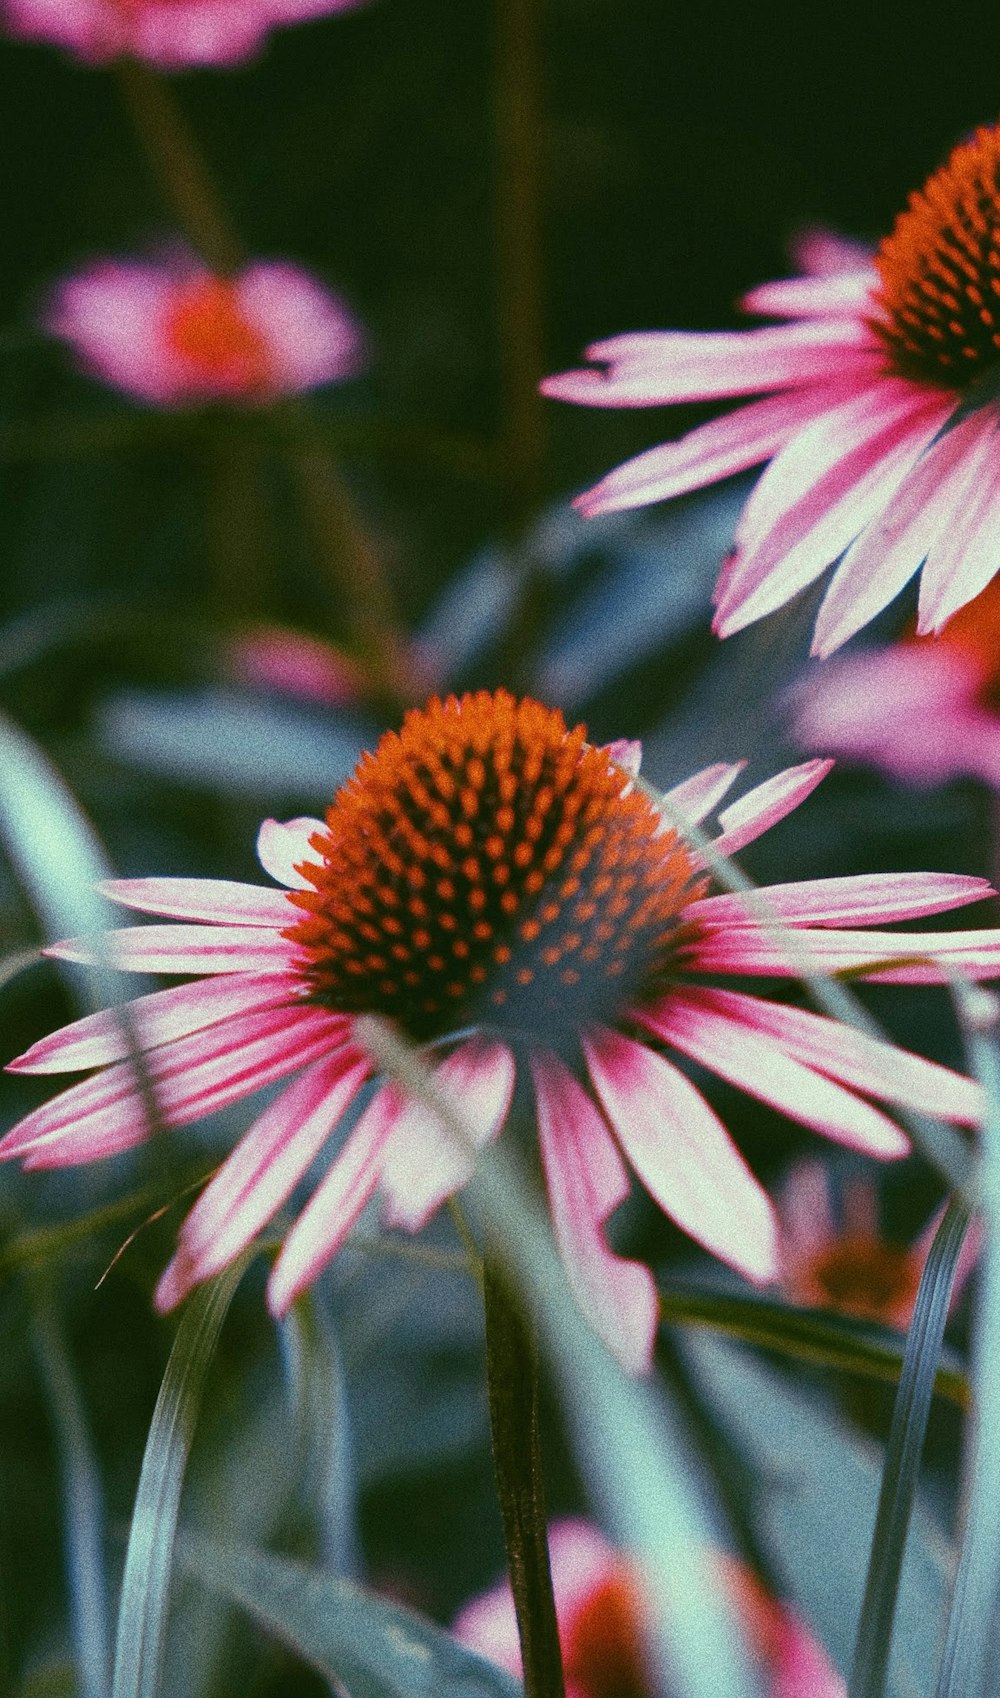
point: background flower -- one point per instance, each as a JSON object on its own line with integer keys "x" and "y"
{"x": 169, "y": 34}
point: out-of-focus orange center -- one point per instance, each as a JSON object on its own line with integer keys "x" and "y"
{"x": 602, "y": 1643}
{"x": 211, "y": 333}
{"x": 488, "y": 864}
{"x": 862, "y": 1276}
{"x": 939, "y": 271}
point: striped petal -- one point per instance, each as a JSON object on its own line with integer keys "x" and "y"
{"x": 424, "y": 1164}
{"x": 215, "y": 899}
{"x": 189, "y": 1078}
{"x": 851, "y": 1056}
{"x": 964, "y": 559}
{"x": 925, "y": 958}
{"x": 863, "y": 900}
{"x": 586, "y": 1181}
{"x": 262, "y": 1172}
{"x": 683, "y": 1153}
{"x": 336, "y": 1204}
{"x": 697, "y": 796}
{"x": 181, "y": 949}
{"x": 760, "y": 1066}
{"x": 766, "y": 804}
{"x": 156, "y": 1019}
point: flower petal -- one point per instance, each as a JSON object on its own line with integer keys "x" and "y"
{"x": 766, "y": 804}
{"x": 760, "y": 1066}
{"x": 156, "y": 1019}
{"x": 281, "y": 849}
{"x": 262, "y": 1171}
{"x": 964, "y": 559}
{"x": 683, "y": 1153}
{"x": 926, "y": 958}
{"x": 846, "y": 292}
{"x": 181, "y": 949}
{"x": 336, "y": 1204}
{"x": 852, "y": 1057}
{"x": 655, "y": 367}
{"x": 862, "y": 900}
{"x": 696, "y": 797}
{"x": 423, "y": 1162}
{"x": 885, "y": 556}
{"x": 586, "y": 1181}
{"x": 189, "y": 1078}
{"x": 214, "y": 899}
{"x": 713, "y": 451}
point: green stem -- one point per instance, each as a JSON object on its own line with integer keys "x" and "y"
{"x": 512, "y": 1377}
{"x": 177, "y": 165}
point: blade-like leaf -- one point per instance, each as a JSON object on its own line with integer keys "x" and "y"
{"x": 142, "y": 1609}
{"x": 315, "y": 1383}
{"x": 371, "y": 1648}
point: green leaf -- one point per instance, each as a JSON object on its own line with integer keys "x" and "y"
{"x": 903, "y": 1454}
{"x": 142, "y": 1609}
{"x": 969, "y": 1662}
{"x": 815, "y": 1508}
{"x": 372, "y": 1648}
{"x": 315, "y": 1384}
{"x": 810, "y": 1335}
{"x": 82, "y": 1497}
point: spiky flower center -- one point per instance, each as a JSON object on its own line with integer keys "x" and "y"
{"x": 939, "y": 271}
{"x": 486, "y": 864}
{"x": 208, "y": 329}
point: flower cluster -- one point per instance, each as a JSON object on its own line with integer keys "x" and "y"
{"x": 502, "y": 890}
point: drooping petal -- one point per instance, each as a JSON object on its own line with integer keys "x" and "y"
{"x": 156, "y": 1019}
{"x": 760, "y": 1066}
{"x": 846, "y": 292}
{"x": 423, "y": 1162}
{"x": 766, "y": 804}
{"x": 887, "y": 554}
{"x": 336, "y": 1204}
{"x": 181, "y": 949}
{"x": 683, "y": 1153}
{"x": 696, "y": 797}
{"x": 281, "y": 848}
{"x": 188, "y": 1079}
{"x": 586, "y": 1181}
{"x": 851, "y": 1056}
{"x": 214, "y": 899}
{"x": 963, "y": 560}
{"x": 646, "y": 368}
{"x": 262, "y": 1172}
{"x": 864, "y": 899}
{"x": 925, "y": 958}
{"x": 821, "y": 491}
{"x": 713, "y": 451}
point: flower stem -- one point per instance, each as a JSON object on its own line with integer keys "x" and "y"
{"x": 178, "y": 167}
{"x": 512, "y": 1378}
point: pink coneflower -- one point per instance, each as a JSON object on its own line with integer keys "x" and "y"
{"x": 510, "y": 899}
{"x": 166, "y": 33}
{"x": 176, "y": 334}
{"x": 880, "y": 417}
{"x": 846, "y": 1262}
{"x": 925, "y": 709}
{"x": 603, "y": 1613}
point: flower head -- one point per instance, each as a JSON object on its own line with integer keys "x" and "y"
{"x": 925, "y": 709}
{"x": 166, "y": 33}
{"x": 507, "y": 895}
{"x": 603, "y": 1614}
{"x": 880, "y": 418}
{"x": 173, "y": 333}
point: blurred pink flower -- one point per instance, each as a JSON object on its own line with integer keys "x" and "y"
{"x": 926, "y": 709}
{"x": 175, "y": 334}
{"x": 604, "y": 1614}
{"x": 848, "y": 1264}
{"x": 169, "y": 34}
{"x": 880, "y": 418}
{"x": 503, "y": 891}
{"x": 292, "y": 663}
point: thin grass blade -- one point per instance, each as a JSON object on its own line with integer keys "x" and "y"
{"x": 314, "y": 1381}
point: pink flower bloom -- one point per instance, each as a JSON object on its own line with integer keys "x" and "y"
{"x": 175, "y": 334}
{"x": 879, "y": 419}
{"x": 926, "y": 709}
{"x": 291, "y": 663}
{"x": 505, "y": 893}
{"x": 847, "y": 1264}
{"x": 167, "y": 33}
{"x": 604, "y": 1613}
